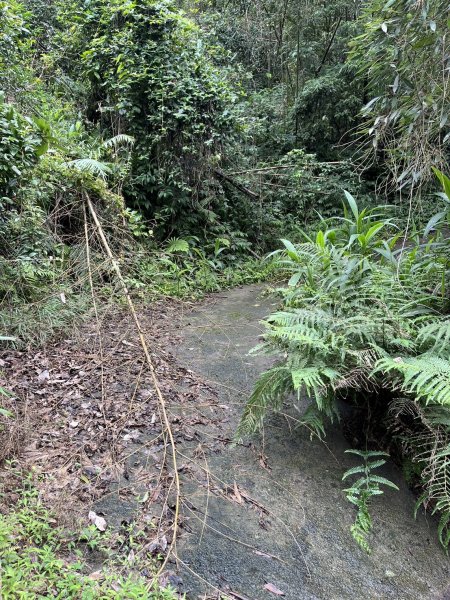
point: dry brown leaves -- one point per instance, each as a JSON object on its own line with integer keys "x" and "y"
{"x": 86, "y": 417}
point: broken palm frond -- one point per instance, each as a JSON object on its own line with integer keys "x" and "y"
{"x": 161, "y": 401}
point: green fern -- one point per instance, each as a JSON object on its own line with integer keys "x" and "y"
{"x": 427, "y": 377}
{"x": 177, "y": 245}
{"x": 90, "y": 166}
{"x": 119, "y": 140}
{"x": 436, "y": 336}
{"x": 313, "y": 420}
{"x": 269, "y": 392}
{"x": 363, "y": 490}
{"x": 360, "y": 317}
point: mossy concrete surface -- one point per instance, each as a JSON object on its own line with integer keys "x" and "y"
{"x": 270, "y": 516}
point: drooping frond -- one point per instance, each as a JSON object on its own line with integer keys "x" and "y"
{"x": 313, "y": 420}
{"x": 314, "y": 380}
{"x": 427, "y": 444}
{"x": 119, "y": 140}
{"x": 91, "y": 166}
{"x": 426, "y": 376}
{"x": 436, "y": 335}
{"x": 435, "y": 455}
{"x": 269, "y": 392}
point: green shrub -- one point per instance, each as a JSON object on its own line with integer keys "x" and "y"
{"x": 149, "y": 74}
{"x": 365, "y": 322}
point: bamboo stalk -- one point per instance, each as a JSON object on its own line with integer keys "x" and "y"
{"x": 151, "y": 367}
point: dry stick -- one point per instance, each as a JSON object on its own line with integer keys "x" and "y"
{"x": 161, "y": 401}
{"x": 227, "y": 537}
{"x": 97, "y": 323}
{"x": 235, "y": 184}
{"x": 279, "y": 167}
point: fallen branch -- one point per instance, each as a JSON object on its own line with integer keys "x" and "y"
{"x": 235, "y": 184}
{"x": 161, "y": 401}
{"x": 263, "y": 169}
{"x": 279, "y": 167}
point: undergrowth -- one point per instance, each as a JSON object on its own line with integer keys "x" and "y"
{"x": 39, "y": 560}
{"x": 187, "y": 271}
{"x": 365, "y": 322}
{"x": 150, "y": 275}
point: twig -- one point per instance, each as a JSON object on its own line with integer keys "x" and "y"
{"x": 328, "y": 48}
{"x": 261, "y": 169}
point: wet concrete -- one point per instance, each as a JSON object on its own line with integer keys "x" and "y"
{"x": 294, "y": 531}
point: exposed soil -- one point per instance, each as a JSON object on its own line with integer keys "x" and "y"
{"x": 257, "y": 519}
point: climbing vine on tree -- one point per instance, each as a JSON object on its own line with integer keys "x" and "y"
{"x": 149, "y": 75}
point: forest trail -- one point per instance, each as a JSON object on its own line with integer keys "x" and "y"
{"x": 264, "y": 517}
{"x": 261, "y": 520}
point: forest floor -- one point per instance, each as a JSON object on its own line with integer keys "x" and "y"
{"x": 258, "y": 520}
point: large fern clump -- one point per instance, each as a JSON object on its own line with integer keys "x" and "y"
{"x": 365, "y": 320}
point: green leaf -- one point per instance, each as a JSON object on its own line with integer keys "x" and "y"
{"x": 352, "y": 471}
{"x": 382, "y": 481}
{"x": 291, "y": 250}
{"x": 177, "y": 245}
{"x": 352, "y": 203}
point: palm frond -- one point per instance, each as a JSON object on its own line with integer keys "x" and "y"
{"x": 119, "y": 140}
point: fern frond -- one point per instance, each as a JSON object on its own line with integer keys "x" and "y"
{"x": 426, "y": 376}
{"x": 177, "y": 245}
{"x": 119, "y": 140}
{"x": 299, "y": 335}
{"x": 436, "y": 335}
{"x": 314, "y": 380}
{"x": 382, "y": 480}
{"x": 312, "y": 419}
{"x": 91, "y": 166}
{"x": 268, "y": 393}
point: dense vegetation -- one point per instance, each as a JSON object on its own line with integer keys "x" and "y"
{"x": 203, "y": 132}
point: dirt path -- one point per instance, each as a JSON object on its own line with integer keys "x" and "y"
{"x": 276, "y": 516}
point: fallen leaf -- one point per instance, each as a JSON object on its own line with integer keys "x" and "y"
{"x": 272, "y": 588}
{"x": 96, "y": 520}
{"x": 155, "y": 494}
{"x": 258, "y": 553}
{"x": 43, "y": 375}
{"x": 163, "y": 543}
{"x": 237, "y": 494}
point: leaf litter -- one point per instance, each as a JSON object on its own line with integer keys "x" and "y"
{"x": 94, "y": 436}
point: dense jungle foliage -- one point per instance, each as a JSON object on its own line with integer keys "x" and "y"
{"x": 206, "y": 131}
